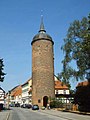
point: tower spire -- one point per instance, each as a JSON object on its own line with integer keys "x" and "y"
{"x": 42, "y": 29}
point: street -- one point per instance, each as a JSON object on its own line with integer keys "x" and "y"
{"x": 28, "y": 114}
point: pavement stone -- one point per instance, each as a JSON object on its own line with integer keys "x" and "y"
{"x": 76, "y": 112}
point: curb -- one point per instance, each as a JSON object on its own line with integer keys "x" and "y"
{"x": 82, "y": 113}
{"x": 77, "y": 112}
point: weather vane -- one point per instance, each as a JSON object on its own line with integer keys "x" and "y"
{"x": 42, "y": 16}
{"x": 41, "y": 13}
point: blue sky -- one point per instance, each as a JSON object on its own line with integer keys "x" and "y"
{"x": 20, "y": 21}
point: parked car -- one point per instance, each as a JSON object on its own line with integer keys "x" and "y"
{"x": 35, "y": 107}
{"x": 26, "y": 106}
{"x": 23, "y": 106}
{"x": 11, "y": 105}
{"x": 17, "y": 105}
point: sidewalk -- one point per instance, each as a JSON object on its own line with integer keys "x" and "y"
{"x": 76, "y": 112}
{"x": 4, "y": 114}
{"x": 65, "y": 115}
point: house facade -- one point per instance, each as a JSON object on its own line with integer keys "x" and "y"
{"x": 14, "y": 96}
{"x": 27, "y": 92}
{"x": 2, "y": 96}
{"x": 62, "y": 91}
{"x": 23, "y": 94}
{"x": 60, "y": 88}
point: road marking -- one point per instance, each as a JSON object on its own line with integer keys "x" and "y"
{"x": 7, "y": 118}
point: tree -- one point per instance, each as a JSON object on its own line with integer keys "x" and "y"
{"x": 76, "y": 49}
{"x": 66, "y": 82}
{"x": 1, "y": 70}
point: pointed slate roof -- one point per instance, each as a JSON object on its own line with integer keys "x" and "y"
{"x": 42, "y": 34}
{"x": 42, "y": 29}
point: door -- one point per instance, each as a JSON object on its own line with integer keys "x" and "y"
{"x": 45, "y": 101}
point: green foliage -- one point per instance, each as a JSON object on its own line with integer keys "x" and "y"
{"x": 1, "y": 70}
{"x": 56, "y": 104}
{"x": 64, "y": 80}
{"x": 76, "y": 48}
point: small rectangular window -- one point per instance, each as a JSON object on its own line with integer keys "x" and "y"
{"x": 39, "y": 101}
{"x": 64, "y": 91}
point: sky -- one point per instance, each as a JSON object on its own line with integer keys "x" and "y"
{"x": 20, "y": 22}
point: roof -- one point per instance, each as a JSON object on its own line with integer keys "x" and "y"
{"x": 56, "y": 78}
{"x": 84, "y": 83}
{"x": 17, "y": 91}
{"x": 26, "y": 82}
{"x": 2, "y": 89}
{"x": 42, "y": 34}
{"x": 14, "y": 88}
{"x": 60, "y": 85}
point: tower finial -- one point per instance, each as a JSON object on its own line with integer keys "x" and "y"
{"x": 42, "y": 25}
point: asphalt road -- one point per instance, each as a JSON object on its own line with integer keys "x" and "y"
{"x": 27, "y": 114}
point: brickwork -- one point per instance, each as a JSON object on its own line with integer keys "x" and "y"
{"x": 42, "y": 71}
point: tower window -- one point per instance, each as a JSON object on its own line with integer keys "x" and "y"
{"x": 39, "y": 101}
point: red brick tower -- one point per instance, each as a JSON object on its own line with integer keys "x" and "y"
{"x": 42, "y": 68}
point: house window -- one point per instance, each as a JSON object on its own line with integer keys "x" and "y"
{"x": 56, "y": 91}
{"x": 64, "y": 91}
{"x": 25, "y": 90}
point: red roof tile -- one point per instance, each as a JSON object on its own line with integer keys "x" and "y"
{"x": 60, "y": 85}
{"x": 84, "y": 83}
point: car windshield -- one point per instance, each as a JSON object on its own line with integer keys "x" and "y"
{"x": 35, "y": 106}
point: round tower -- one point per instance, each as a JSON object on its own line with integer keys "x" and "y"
{"x": 42, "y": 68}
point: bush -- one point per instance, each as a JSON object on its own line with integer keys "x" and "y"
{"x": 56, "y": 104}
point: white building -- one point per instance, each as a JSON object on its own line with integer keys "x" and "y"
{"x": 14, "y": 96}
{"x": 60, "y": 88}
{"x": 62, "y": 91}
{"x": 2, "y": 96}
{"x": 26, "y": 92}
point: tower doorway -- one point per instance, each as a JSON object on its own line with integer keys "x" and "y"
{"x": 45, "y": 101}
